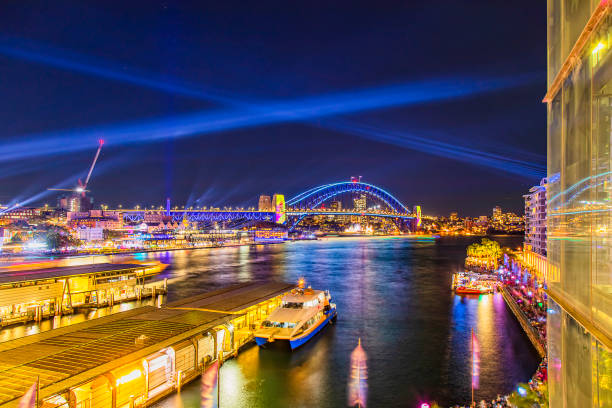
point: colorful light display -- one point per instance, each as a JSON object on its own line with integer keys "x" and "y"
{"x": 358, "y": 380}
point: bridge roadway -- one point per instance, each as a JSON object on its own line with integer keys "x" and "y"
{"x": 253, "y": 215}
{"x": 305, "y": 204}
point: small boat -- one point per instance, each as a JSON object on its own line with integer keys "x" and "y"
{"x": 473, "y": 290}
{"x": 465, "y": 283}
{"x": 301, "y": 315}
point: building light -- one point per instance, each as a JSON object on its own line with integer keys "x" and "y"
{"x": 598, "y": 47}
{"x": 129, "y": 377}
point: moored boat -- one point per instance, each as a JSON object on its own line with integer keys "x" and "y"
{"x": 302, "y": 314}
{"x": 465, "y": 283}
{"x": 473, "y": 290}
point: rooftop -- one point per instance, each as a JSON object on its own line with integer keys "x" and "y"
{"x": 66, "y": 357}
{"x": 10, "y": 276}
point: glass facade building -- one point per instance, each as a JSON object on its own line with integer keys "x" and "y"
{"x": 579, "y": 196}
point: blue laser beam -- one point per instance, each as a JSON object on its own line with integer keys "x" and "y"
{"x": 58, "y": 58}
{"x": 207, "y": 122}
{"x": 447, "y": 150}
{"x": 249, "y": 114}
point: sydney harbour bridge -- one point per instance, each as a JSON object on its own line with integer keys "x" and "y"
{"x": 294, "y": 210}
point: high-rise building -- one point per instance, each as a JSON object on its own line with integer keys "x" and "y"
{"x": 535, "y": 218}
{"x": 454, "y": 216}
{"x": 335, "y": 205}
{"x": 265, "y": 203}
{"x": 579, "y": 102}
{"x": 75, "y": 202}
{"x": 359, "y": 202}
{"x": 497, "y": 214}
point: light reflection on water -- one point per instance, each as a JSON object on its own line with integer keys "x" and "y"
{"x": 393, "y": 293}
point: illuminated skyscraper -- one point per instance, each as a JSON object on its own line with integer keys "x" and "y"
{"x": 497, "y": 214}
{"x": 579, "y": 102}
{"x": 535, "y": 218}
{"x": 359, "y": 202}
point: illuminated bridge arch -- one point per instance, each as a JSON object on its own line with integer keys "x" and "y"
{"x": 316, "y": 196}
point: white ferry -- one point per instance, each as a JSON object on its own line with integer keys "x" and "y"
{"x": 301, "y": 315}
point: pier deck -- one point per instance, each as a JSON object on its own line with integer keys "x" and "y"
{"x": 68, "y": 357}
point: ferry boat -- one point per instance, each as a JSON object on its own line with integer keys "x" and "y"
{"x": 302, "y": 314}
{"x": 473, "y": 284}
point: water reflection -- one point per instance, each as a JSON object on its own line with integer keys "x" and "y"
{"x": 393, "y": 293}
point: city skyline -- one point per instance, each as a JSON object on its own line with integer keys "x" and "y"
{"x": 413, "y": 125}
{"x": 325, "y": 204}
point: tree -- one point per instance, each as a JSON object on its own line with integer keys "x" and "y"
{"x": 58, "y": 238}
{"x": 112, "y": 234}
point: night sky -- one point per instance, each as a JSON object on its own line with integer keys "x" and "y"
{"x": 213, "y": 103}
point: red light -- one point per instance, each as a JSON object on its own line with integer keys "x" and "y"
{"x": 101, "y": 141}
{"x": 425, "y": 405}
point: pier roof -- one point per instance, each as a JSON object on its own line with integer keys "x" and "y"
{"x": 18, "y": 275}
{"x": 66, "y": 357}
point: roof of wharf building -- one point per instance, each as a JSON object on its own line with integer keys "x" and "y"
{"x": 68, "y": 356}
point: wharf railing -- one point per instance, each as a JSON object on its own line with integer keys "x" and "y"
{"x": 532, "y": 332}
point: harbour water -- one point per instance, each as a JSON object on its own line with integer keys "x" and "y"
{"x": 394, "y": 294}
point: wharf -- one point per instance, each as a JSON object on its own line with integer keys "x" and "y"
{"x": 37, "y": 291}
{"x": 136, "y": 357}
{"x": 531, "y": 332}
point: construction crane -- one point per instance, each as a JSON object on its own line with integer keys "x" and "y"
{"x": 82, "y": 187}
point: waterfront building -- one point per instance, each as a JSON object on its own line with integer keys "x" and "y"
{"x": 19, "y": 213}
{"x": 5, "y": 235}
{"x": 265, "y": 203}
{"x": 270, "y": 235}
{"x": 136, "y": 357}
{"x": 42, "y": 290}
{"x": 95, "y": 219}
{"x": 90, "y": 233}
{"x": 535, "y": 218}
{"x": 579, "y": 102}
